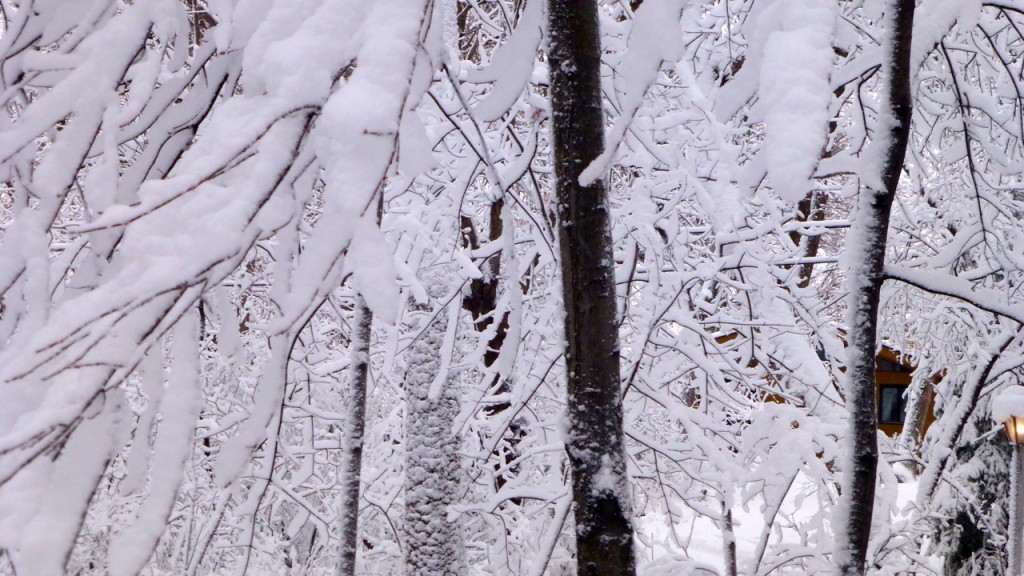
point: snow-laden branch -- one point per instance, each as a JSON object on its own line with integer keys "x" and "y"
{"x": 946, "y": 285}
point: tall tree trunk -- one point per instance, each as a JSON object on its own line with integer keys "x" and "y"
{"x": 352, "y": 440}
{"x": 865, "y": 279}
{"x": 355, "y": 428}
{"x": 729, "y": 541}
{"x": 604, "y": 536}
{"x": 431, "y": 465}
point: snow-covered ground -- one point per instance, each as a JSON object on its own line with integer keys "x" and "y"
{"x": 702, "y": 537}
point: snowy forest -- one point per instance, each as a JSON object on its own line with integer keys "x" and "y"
{"x": 510, "y": 287}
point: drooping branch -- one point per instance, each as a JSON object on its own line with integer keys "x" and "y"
{"x": 947, "y": 285}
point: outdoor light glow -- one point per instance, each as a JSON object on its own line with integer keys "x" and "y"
{"x": 1015, "y": 429}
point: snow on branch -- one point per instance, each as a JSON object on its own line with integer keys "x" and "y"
{"x": 946, "y": 285}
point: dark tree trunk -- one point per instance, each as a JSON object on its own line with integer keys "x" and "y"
{"x": 352, "y": 441}
{"x": 354, "y": 429}
{"x": 604, "y": 536}
{"x": 865, "y": 281}
{"x": 482, "y": 304}
{"x": 810, "y": 209}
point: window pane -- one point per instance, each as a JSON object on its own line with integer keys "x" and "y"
{"x": 892, "y": 408}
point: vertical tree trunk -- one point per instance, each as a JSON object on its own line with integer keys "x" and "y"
{"x": 1016, "y": 531}
{"x": 729, "y": 542}
{"x": 919, "y": 399}
{"x": 355, "y": 428}
{"x": 865, "y": 279}
{"x": 604, "y": 536}
{"x": 352, "y": 440}
{"x": 482, "y": 304}
{"x": 431, "y": 466}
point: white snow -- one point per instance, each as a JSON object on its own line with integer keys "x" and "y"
{"x": 1007, "y": 403}
{"x": 795, "y": 91}
{"x": 184, "y": 229}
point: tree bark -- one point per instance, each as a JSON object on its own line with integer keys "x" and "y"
{"x": 810, "y": 209}
{"x": 729, "y": 542}
{"x": 919, "y": 399}
{"x": 604, "y": 536}
{"x": 432, "y": 544}
{"x": 865, "y": 281}
{"x": 352, "y": 442}
{"x": 1016, "y": 531}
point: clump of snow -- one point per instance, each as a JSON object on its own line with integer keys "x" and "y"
{"x": 372, "y": 262}
{"x": 933, "y": 21}
{"x": 511, "y": 67}
{"x": 795, "y": 91}
{"x": 1009, "y": 402}
{"x": 606, "y": 480}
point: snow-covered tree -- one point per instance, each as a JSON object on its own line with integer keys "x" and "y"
{"x": 203, "y": 204}
{"x": 604, "y": 535}
{"x": 431, "y": 463}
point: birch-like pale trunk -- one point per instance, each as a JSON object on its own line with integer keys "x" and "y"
{"x": 918, "y": 402}
{"x": 865, "y": 277}
{"x": 604, "y": 535}
{"x": 1016, "y": 531}
{"x": 729, "y": 542}
{"x": 432, "y": 541}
